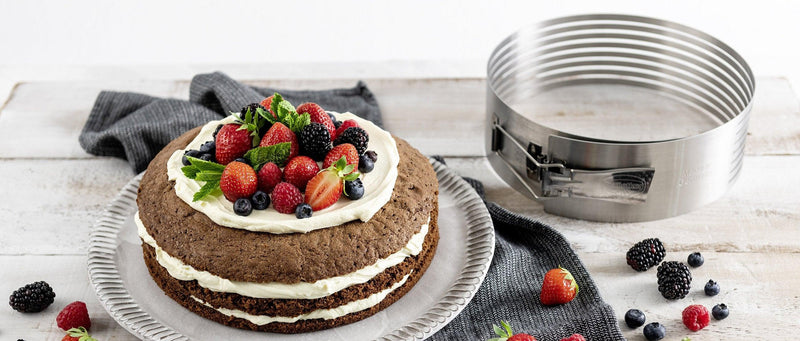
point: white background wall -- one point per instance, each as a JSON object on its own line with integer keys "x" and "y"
{"x": 47, "y": 39}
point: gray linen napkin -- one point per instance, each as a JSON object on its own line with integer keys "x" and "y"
{"x": 136, "y": 127}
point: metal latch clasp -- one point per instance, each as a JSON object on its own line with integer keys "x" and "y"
{"x": 552, "y": 178}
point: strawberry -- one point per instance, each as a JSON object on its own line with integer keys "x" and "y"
{"x": 232, "y": 143}
{"x": 286, "y": 197}
{"x": 574, "y": 337}
{"x": 74, "y": 315}
{"x": 695, "y": 317}
{"x": 346, "y": 124}
{"x": 299, "y": 170}
{"x": 268, "y": 176}
{"x": 267, "y": 103}
{"x": 318, "y": 115}
{"x": 506, "y": 334}
{"x": 325, "y": 188}
{"x": 238, "y": 180}
{"x": 343, "y": 150}
{"x": 78, "y": 334}
{"x": 279, "y": 133}
{"x": 558, "y": 287}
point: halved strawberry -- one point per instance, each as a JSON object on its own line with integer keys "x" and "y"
{"x": 325, "y": 188}
{"x": 280, "y": 133}
{"x": 299, "y": 170}
{"x": 346, "y": 124}
{"x": 317, "y": 115}
{"x": 345, "y": 150}
{"x": 238, "y": 180}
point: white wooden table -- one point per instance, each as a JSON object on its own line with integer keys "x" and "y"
{"x": 52, "y": 192}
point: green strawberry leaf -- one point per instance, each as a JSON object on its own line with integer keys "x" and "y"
{"x": 209, "y": 188}
{"x": 277, "y": 154}
{"x": 505, "y": 325}
{"x": 498, "y": 339}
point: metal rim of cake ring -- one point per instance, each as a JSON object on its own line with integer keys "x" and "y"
{"x": 611, "y": 180}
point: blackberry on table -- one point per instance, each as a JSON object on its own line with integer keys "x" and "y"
{"x": 646, "y": 254}
{"x": 674, "y": 280}
{"x": 32, "y": 298}
{"x": 356, "y": 136}
{"x": 315, "y": 141}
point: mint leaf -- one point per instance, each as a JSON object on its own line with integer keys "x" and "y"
{"x": 301, "y": 121}
{"x": 203, "y": 165}
{"x": 207, "y": 189}
{"x": 351, "y": 176}
{"x": 265, "y": 114}
{"x": 190, "y": 171}
{"x": 277, "y": 154}
{"x": 208, "y": 176}
{"x": 276, "y": 100}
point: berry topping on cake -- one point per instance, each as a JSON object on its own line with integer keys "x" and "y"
{"x": 317, "y": 115}
{"x": 674, "y": 280}
{"x": 208, "y": 147}
{"x": 235, "y": 139}
{"x": 77, "y": 334}
{"x": 354, "y": 190}
{"x": 260, "y": 200}
{"x": 74, "y": 315}
{"x": 341, "y": 128}
{"x": 238, "y": 180}
{"x": 303, "y": 211}
{"x": 243, "y": 207}
{"x": 32, "y": 298}
{"x": 286, "y": 197}
{"x": 558, "y": 287}
{"x": 372, "y": 155}
{"x": 720, "y": 311}
{"x": 315, "y": 141}
{"x": 343, "y": 150}
{"x": 267, "y": 104}
{"x": 299, "y": 170}
{"x": 695, "y": 259}
{"x": 695, "y": 317}
{"x": 634, "y": 318}
{"x": 646, "y": 254}
{"x": 325, "y": 188}
{"x": 190, "y": 153}
{"x": 365, "y": 164}
{"x": 279, "y": 133}
{"x": 268, "y": 176}
{"x": 356, "y": 136}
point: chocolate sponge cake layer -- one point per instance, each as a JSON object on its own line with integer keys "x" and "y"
{"x": 182, "y": 292}
{"x": 241, "y": 255}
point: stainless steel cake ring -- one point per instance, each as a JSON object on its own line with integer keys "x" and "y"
{"x": 617, "y": 181}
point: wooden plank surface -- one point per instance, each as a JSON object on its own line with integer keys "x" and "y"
{"x": 54, "y": 192}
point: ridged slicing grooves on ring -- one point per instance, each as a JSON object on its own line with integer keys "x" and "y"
{"x": 111, "y": 291}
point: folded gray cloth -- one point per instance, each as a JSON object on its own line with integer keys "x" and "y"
{"x": 136, "y": 127}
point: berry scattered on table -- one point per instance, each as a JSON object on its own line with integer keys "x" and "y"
{"x": 720, "y": 311}
{"x": 674, "y": 280}
{"x": 315, "y": 141}
{"x": 299, "y": 170}
{"x": 78, "y": 334}
{"x": 286, "y": 197}
{"x": 695, "y": 317}
{"x": 505, "y": 333}
{"x": 303, "y": 211}
{"x": 345, "y": 150}
{"x": 711, "y": 288}
{"x": 243, "y": 207}
{"x": 695, "y": 259}
{"x": 345, "y": 124}
{"x": 318, "y": 115}
{"x": 192, "y": 153}
{"x": 574, "y": 337}
{"x": 372, "y": 155}
{"x": 645, "y": 254}
{"x": 558, "y": 287}
{"x": 634, "y": 318}
{"x": 32, "y": 298}
{"x": 354, "y": 190}
{"x": 280, "y": 133}
{"x": 238, "y": 180}
{"x": 260, "y": 200}
{"x": 365, "y": 164}
{"x": 74, "y": 315}
{"x": 356, "y": 136}
{"x": 654, "y": 331}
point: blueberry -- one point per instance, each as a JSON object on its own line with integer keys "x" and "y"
{"x": 303, "y": 211}
{"x": 712, "y": 288}
{"x": 333, "y": 118}
{"x": 634, "y": 318}
{"x": 695, "y": 259}
{"x": 337, "y": 124}
{"x": 207, "y": 157}
{"x": 208, "y": 147}
{"x": 720, "y": 311}
{"x": 365, "y": 164}
{"x": 192, "y": 153}
{"x": 243, "y": 206}
{"x": 242, "y": 160}
{"x": 217, "y": 130}
{"x": 654, "y": 331}
{"x": 354, "y": 190}
{"x": 372, "y": 155}
{"x": 260, "y": 200}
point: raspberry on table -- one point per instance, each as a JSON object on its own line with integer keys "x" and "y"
{"x": 695, "y": 317}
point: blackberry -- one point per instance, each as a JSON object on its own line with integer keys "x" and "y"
{"x": 695, "y": 259}
{"x": 32, "y": 298}
{"x": 711, "y": 288}
{"x": 356, "y": 136}
{"x": 252, "y": 107}
{"x": 315, "y": 141}
{"x": 674, "y": 280}
{"x": 634, "y": 318}
{"x": 646, "y": 254}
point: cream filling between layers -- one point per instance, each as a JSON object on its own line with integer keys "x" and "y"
{"x": 378, "y": 185}
{"x": 327, "y": 314}
{"x": 303, "y": 290}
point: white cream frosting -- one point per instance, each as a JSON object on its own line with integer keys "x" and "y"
{"x": 378, "y": 185}
{"x": 327, "y": 314}
{"x": 303, "y": 290}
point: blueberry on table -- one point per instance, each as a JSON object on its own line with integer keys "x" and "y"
{"x": 695, "y": 259}
{"x": 260, "y": 200}
{"x": 634, "y": 318}
{"x": 354, "y": 190}
{"x": 720, "y": 311}
{"x": 365, "y": 164}
{"x": 303, "y": 211}
{"x": 712, "y": 288}
{"x": 654, "y": 331}
{"x": 243, "y": 207}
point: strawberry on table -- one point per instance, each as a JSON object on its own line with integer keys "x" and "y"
{"x": 558, "y": 287}
{"x": 238, "y": 180}
{"x": 299, "y": 170}
{"x": 279, "y": 133}
{"x": 325, "y": 188}
{"x": 574, "y": 337}
{"x": 78, "y": 334}
{"x": 74, "y": 315}
{"x": 506, "y": 334}
{"x": 318, "y": 115}
{"x": 346, "y": 150}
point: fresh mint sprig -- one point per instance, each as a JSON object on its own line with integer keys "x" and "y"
{"x": 252, "y": 122}
{"x": 201, "y": 170}
{"x": 285, "y": 113}
{"x": 277, "y": 154}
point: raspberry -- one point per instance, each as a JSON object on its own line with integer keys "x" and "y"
{"x": 574, "y": 337}
{"x": 695, "y": 317}
{"x": 315, "y": 141}
{"x": 356, "y": 136}
{"x": 74, "y": 315}
{"x": 286, "y": 197}
{"x": 268, "y": 176}
{"x": 32, "y": 298}
{"x": 674, "y": 280}
{"x": 645, "y": 254}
